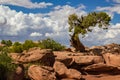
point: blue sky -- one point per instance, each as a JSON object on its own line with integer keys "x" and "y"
{"x": 90, "y": 6}
{"x": 38, "y": 19}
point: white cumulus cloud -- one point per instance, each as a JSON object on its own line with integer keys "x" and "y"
{"x": 25, "y": 3}
{"x": 35, "y": 34}
{"x": 21, "y": 26}
{"x": 117, "y": 1}
{"x": 115, "y": 8}
{"x": 2, "y": 20}
{"x": 101, "y": 37}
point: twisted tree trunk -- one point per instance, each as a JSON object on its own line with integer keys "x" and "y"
{"x": 75, "y": 42}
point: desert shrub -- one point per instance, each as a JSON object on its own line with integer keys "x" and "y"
{"x": 17, "y": 44}
{"x": 6, "y": 65}
{"x": 1, "y": 48}
{"x": 7, "y": 42}
{"x": 51, "y": 44}
{"x": 3, "y": 42}
{"x": 5, "y": 49}
{"x": 17, "y": 47}
{"x": 28, "y": 44}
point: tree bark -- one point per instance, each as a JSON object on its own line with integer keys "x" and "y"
{"x": 75, "y": 42}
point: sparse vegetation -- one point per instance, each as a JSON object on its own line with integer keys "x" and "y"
{"x": 51, "y": 44}
{"x": 6, "y": 66}
{"x": 28, "y": 44}
{"x": 18, "y": 47}
{"x": 6, "y": 42}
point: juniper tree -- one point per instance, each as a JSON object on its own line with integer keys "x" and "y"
{"x": 82, "y": 25}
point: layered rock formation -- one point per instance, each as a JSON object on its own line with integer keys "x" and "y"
{"x": 68, "y": 65}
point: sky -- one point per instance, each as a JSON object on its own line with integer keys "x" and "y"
{"x": 37, "y": 19}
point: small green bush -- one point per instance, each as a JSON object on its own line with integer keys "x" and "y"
{"x": 44, "y": 44}
{"x": 3, "y": 42}
{"x": 1, "y": 48}
{"x": 6, "y": 65}
{"x": 7, "y": 42}
{"x": 17, "y": 47}
{"x": 28, "y": 44}
{"x": 51, "y": 44}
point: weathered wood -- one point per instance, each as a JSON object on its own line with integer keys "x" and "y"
{"x": 75, "y": 42}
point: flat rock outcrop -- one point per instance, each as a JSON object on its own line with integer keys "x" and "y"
{"x": 44, "y": 56}
{"x": 112, "y": 59}
{"x": 101, "y": 68}
{"x": 68, "y": 65}
{"x": 87, "y": 60}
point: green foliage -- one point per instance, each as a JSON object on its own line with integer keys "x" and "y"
{"x": 6, "y": 65}
{"x": 1, "y": 48}
{"x": 17, "y": 44}
{"x": 3, "y": 42}
{"x": 51, "y": 44}
{"x": 4, "y": 49}
{"x": 6, "y": 62}
{"x": 7, "y": 42}
{"x": 44, "y": 44}
{"x": 4, "y": 57}
{"x": 28, "y": 44}
{"x": 17, "y": 47}
{"x": 81, "y": 25}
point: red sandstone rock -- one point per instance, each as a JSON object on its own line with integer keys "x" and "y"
{"x": 112, "y": 59}
{"x": 41, "y": 73}
{"x": 45, "y": 56}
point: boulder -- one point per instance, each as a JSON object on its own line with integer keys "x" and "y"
{"x": 64, "y": 57}
{"x": 71, "y": 49}
{"x": 96, "y": 50}
{"x": 36, "y": 72}
{"x": 60, "y": 68}
{"x": 112, "y": 48}
{"x": 44, "y": 56}
{"x": 87, "y": 60}
{"x": 73, "y": 74}
{"x": 112, "y": 59}
{"x": 109, "y": 48}
{"x": 100, "y": 68}
{"x": 64, "y": 72}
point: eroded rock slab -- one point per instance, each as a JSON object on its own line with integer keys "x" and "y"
{"x": 44, "y": 56}
{"x": 87, "y": 60}
{"x": 41, "y": 73}
{"x": 112, "y": 59}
